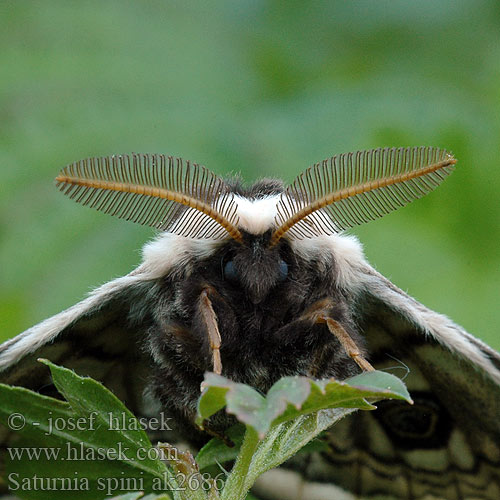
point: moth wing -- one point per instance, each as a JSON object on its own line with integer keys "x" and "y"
{"x": 446, "y": 445}
{"x": 98, "y": 337}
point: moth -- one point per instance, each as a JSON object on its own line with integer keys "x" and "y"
{"x": 260, "y": 282}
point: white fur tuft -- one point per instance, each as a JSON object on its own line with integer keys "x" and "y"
{"x": 256, "y": 216}
{"x": 345, "y": 250}
{"x": 169, "y": 250}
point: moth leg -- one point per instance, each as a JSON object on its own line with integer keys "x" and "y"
{"x": 210, "y": 319}
{"x": 346, "y": 341}
{"x": 318, "y": 313}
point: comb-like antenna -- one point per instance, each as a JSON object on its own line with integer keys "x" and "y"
{"x": 353, "y": 188}
{"x": 156, "y": 190}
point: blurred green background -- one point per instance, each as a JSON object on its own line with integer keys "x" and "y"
{"x": 258, "y": 87}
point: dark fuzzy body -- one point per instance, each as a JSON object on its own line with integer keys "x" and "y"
{"x": 260, "y": 317}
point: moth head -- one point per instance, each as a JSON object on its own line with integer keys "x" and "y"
{"x": 256, "y": 266}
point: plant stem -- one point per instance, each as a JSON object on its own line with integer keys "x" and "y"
{"x": 237, "y": 484}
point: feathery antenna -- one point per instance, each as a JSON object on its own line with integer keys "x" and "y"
{"x": 156, "y": 190}
{"x": 354, "y": 188}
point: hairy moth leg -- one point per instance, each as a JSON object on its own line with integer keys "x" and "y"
{"x": 318, "y": 312}
{"x": 346, "y": 341}
{"x": 210, "y": 319}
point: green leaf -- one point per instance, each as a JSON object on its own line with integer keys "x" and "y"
{"x": 216, "y": 451}
{"x": 294, "y": 412}
{"x": 240, "y": 399}
{"x": 77, "y": 440}
{"x": 383, "y": 381}
{"x": 291, "y": 397}
{"x": 89, "y": 399}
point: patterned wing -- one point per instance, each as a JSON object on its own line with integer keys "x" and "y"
{"x": 445, "y": 446}
{"x": 96, "y": 337}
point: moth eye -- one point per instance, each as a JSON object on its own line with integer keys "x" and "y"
{"x": 283, "y": 270}
{"x": 230, "y": 273}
